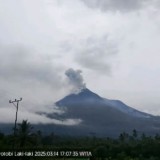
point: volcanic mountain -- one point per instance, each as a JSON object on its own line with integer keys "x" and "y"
{"x": 88, "y": 98}
{"x": 97, "y": 116}
{"x": 103, "y": 117}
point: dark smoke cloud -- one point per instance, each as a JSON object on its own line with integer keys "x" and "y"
{"x": 75, "y": 79}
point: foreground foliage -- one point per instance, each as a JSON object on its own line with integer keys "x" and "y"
{"x": 126, "y": 147}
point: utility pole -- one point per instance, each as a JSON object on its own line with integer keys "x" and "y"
{"x": 15, "y": 103}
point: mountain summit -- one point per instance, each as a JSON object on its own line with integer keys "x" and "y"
{"x": 85, "y": 96}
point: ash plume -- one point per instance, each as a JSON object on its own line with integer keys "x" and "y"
{"x": 75, "y": 79}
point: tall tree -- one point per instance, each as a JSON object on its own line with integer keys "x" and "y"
{"x": 24, "y": 132}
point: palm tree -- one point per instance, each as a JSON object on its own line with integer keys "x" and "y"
{"x": 24, "y": 133}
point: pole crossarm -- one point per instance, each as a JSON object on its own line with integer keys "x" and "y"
{"x": 16, "y": 100}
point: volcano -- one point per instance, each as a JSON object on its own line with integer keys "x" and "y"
{"x": 98, "y": 116}
{"x": 104, "y": 117}
{"x": 88, "y": 98}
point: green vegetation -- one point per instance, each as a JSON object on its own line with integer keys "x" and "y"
{"x": 126, "y": 147}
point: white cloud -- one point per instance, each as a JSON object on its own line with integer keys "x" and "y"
{"x": 7, "y": 115}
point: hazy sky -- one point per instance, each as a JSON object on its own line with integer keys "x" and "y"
{"x": 112, "y": 44}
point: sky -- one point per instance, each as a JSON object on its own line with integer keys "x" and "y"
{"x": 51, "y": 48}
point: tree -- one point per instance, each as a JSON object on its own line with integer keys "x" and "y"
{"x": 135, "y": 135}
{"x": 1, "y": 139}
{"x": 123, "y": 136}
{"x": 24, "y": 133}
